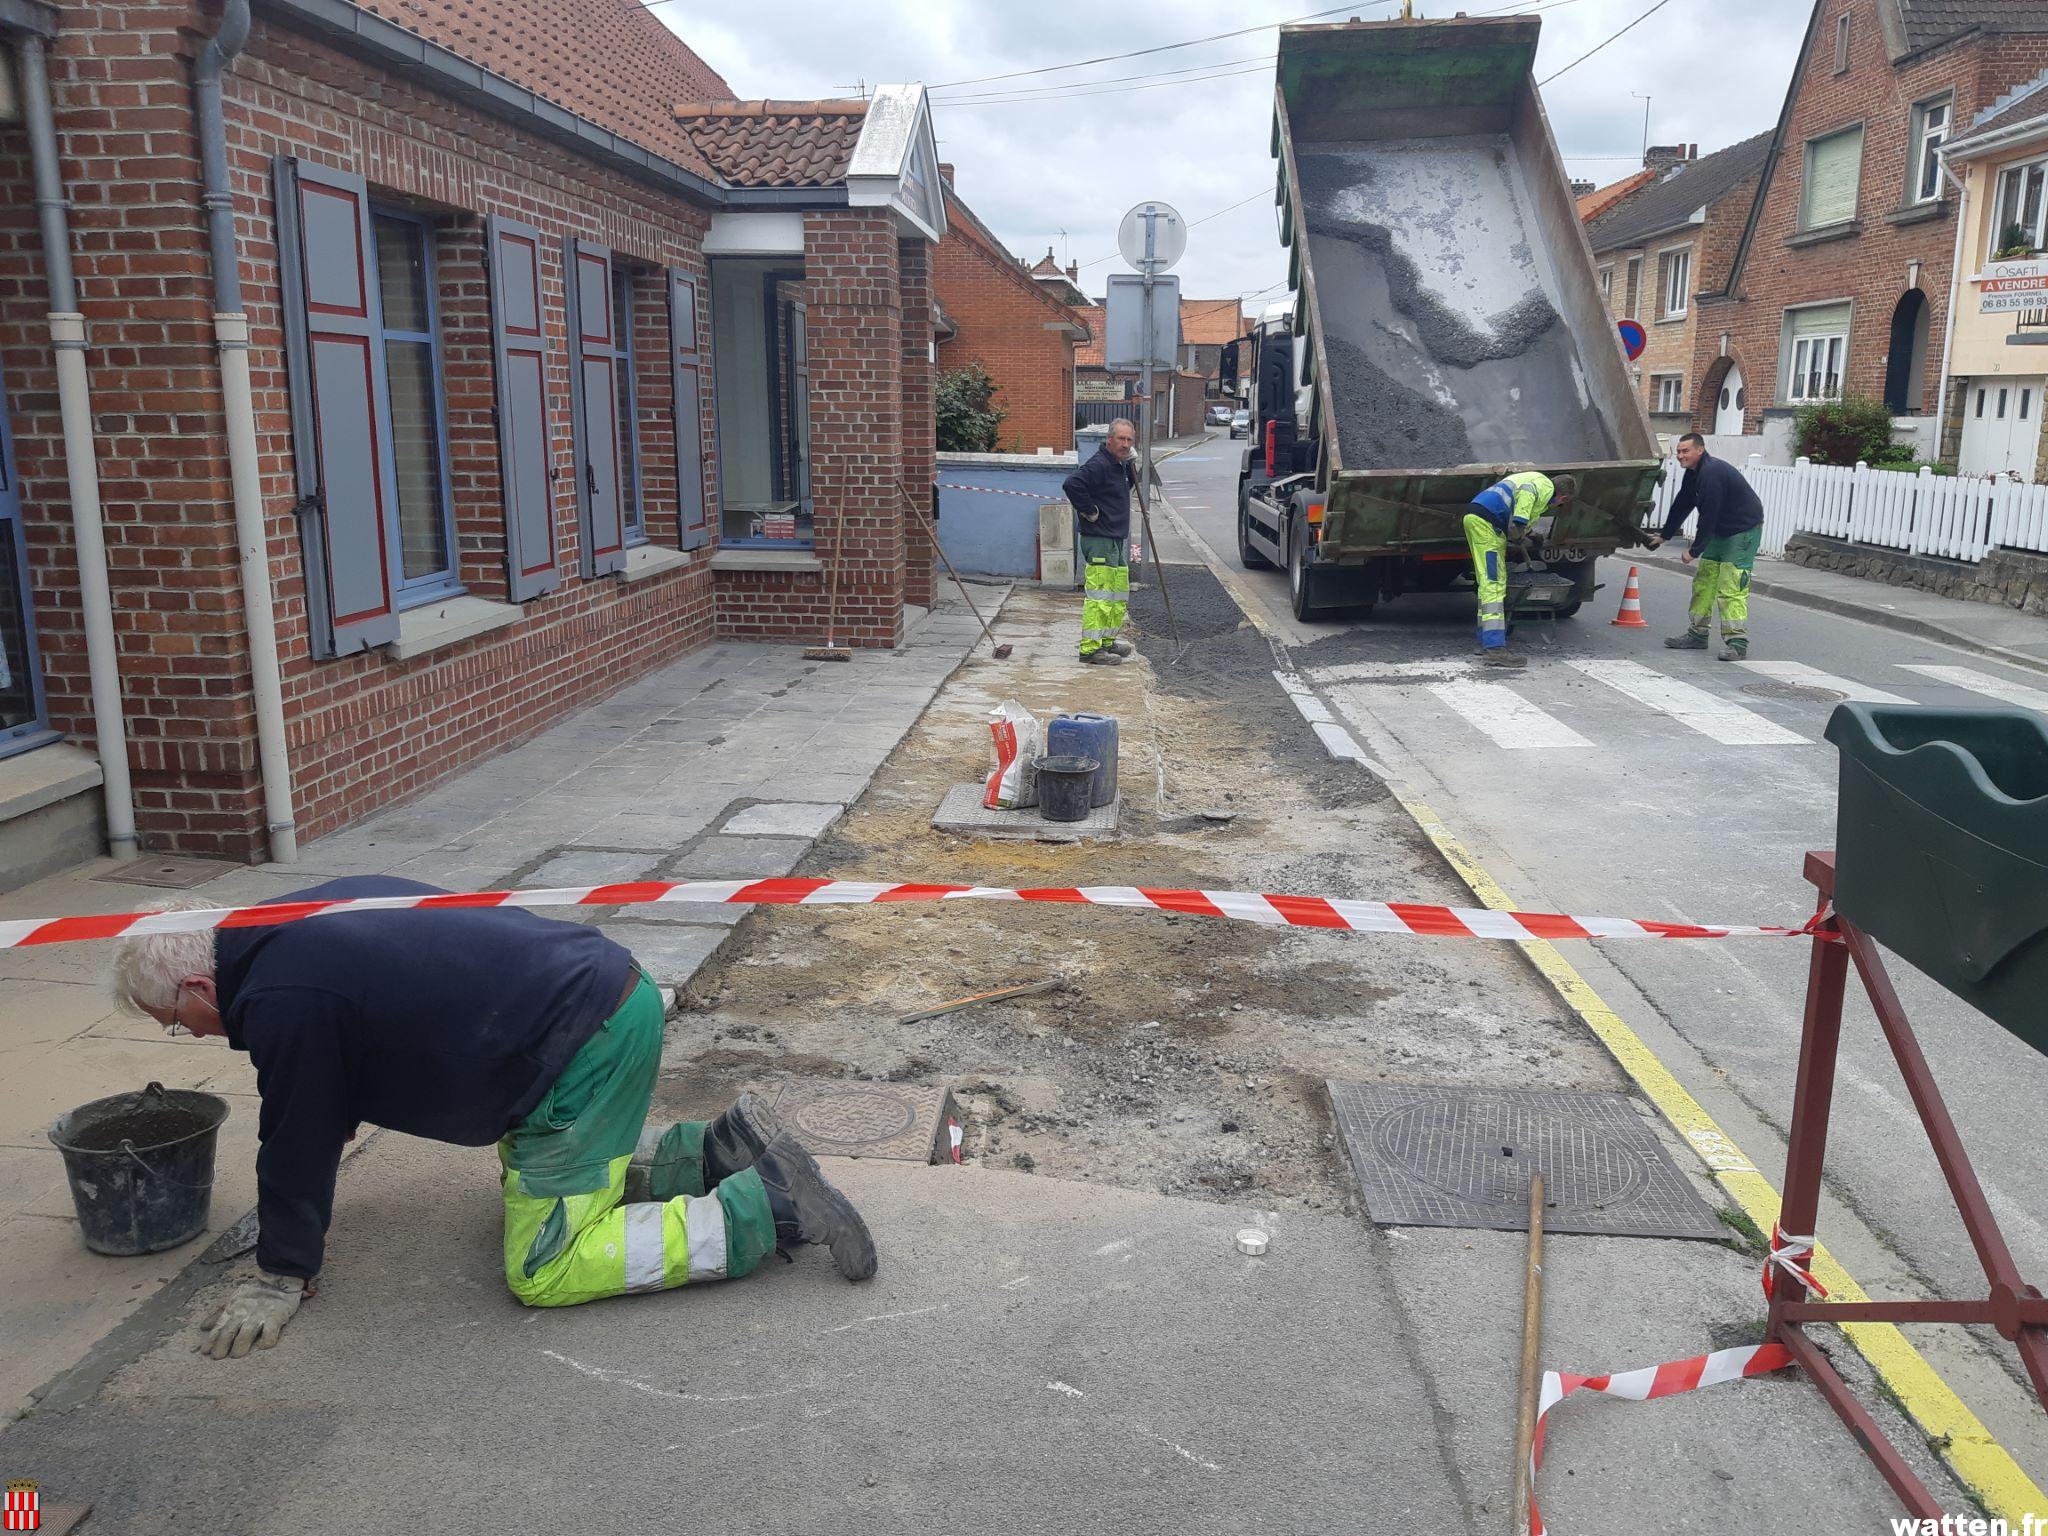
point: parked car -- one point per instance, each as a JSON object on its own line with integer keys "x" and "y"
{"x": 1219, "y": 415}
{"x": 1241, "y": 424}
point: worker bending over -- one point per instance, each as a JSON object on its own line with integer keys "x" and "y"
{"x": 1731, "y": 526}
{"x": 1500, "y": 513}
{"x": 474, "y": 1026}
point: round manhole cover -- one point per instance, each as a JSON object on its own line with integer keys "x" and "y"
{"x": 1800, "y": 691}
{"x": 1456, "y": 1146}
{"x": 858, "y": 1115}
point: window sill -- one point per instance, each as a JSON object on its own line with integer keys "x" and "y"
{"x": 645, "y": 560}
{"x": 44, "y": 775}
{"x": 1677, "y": 319}
{"x": 1919, "y": 213}
{"x": 1846, "y": 230}
{"x": 766, "y": 560}
{"x": 436, "y": 626}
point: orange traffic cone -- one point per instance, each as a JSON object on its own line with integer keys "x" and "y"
{"x": 1631, "y": 615}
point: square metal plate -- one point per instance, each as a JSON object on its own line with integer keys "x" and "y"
{"x": 1429, "y": 1156}
{"x": 962, "y": 811}
{"x": 172, "y": 874}
{"x": 902, "y": 1122}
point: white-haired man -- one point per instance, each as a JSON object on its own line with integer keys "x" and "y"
{"x": 472, "y": 1026}
{"x": 1100, "y": 491}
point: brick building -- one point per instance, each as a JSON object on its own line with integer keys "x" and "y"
{"x": 1840, "y": 280}
{"x": 1101, "y": 392}
{"x": 1015, "y": 327}
{"x": 1654, "y": 248}
{"x": 547, "y": 379}
{"x": 1207, "y": 326}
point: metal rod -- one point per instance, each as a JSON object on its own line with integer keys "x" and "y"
{"x": 1973, "y": 1312}
{"x": 1145, "y": 443}
{"x": 925, "y": 518}
{"x": 1812, "y": 1097}
{"x": 1890, "y": 1464}
{"x": 1532, "y": 1359}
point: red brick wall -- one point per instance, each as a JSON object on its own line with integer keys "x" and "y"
{"x": 1002, "y": 319}
{"x": 1869, "y": 267}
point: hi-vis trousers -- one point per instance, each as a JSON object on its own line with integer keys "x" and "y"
{"x": 1105, "y": 590}
{"x": 569, "y": 1237}
{"x": 1723, "y": 580}
{"x": 1489, "y": 546}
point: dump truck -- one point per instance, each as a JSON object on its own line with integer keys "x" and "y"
{"x": 1445, "y": 327}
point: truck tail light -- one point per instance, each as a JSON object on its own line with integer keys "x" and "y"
{"x": 1272, "y": 433}
{"x": 1315, "y": 514}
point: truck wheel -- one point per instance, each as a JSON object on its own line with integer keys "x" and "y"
{"x": 1300, "y": 580}
{"x": 1583, "y": 583}
{"x": 1247, "y": 556}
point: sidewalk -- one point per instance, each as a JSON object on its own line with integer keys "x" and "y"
{"x": 2018, "y": 638}
{"x": 731, "y": 762}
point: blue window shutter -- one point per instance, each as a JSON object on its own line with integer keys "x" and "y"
{"x": 688, "y": 365}
{"x": 594, "y": 404}
{"x": 341, "y": 438}
{"x": 520, "y": 344}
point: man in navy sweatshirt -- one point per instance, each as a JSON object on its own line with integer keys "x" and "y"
{"x": 1731, "y": 526}
{"x": 1100, "y": 491}
{"x": 477, "y": 1026}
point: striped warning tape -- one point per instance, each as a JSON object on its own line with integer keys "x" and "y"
{"x": 992, "y": 490}
{"x": 1328, "y": 912}
{"x": 1666, "y": 1380}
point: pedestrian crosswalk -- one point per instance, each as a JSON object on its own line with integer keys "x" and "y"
{"x": 1549, "y": 707}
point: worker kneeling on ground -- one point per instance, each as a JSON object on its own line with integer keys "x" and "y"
{"x": 1500, "y": 513}
{"x": 473, "y": 1026}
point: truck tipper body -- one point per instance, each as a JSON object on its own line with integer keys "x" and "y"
{"x": 1446, "y": 325}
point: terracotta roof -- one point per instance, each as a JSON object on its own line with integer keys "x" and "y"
{"x": 775, "y": 143}
{"x": 1600, "y": 199}
{"x": 1936, "y": 21}
{"x": 1671, "y": 202}
{"x": 968, "y": 226}
{"x": 1045, "y": 266}
{"x": 1088, "y": 354}
{"x": 1209, "y": 322}
{"x": 610, "y": 61}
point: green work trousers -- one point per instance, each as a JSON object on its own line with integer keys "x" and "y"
{"x": 1105, "y": 590}
{"x": 1723, "y": 579}
{"x": 569, "y": 1236}
{"x": 1489, "y": 546}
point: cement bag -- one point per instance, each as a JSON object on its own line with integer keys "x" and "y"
{"x": 1018, "y": 739}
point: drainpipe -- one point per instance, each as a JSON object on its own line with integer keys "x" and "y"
{"x": 1955, "y": 289}
{"x": 81, "y": 464}
{"x": 231, "y": 336}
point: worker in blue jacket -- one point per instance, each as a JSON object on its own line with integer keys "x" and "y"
{"x": 1100, "y": 491}
{"x": 1731, "y": 526}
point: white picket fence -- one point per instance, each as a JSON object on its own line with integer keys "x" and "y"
{"x": 1921, "y": 512}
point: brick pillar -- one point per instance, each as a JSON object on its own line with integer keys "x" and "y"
{"x": 920, "y": 427}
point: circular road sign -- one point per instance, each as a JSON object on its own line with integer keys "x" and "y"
{"x": 1633, "y": 338}
{"x": 1169, "y": 237}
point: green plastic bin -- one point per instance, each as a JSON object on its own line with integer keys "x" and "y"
{"x": 1941, "y": 849}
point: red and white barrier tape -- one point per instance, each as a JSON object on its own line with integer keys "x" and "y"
{"x": 1793, "y": 1255}
{"x": 996, "y": 490}
{"x": 1327, "y": 912}
{"x": 1666, "y": 1380}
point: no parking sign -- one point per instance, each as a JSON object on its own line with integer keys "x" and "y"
{"x": 1633, "y": 338}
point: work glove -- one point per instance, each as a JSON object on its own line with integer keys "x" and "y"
{"x": 255, "y": 1314}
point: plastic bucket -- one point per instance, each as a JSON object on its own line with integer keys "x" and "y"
{"x": 141, "y": 1167}
{"x": 1063, "y": 787}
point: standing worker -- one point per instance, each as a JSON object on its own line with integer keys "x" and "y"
{"x": 1501, "y": 512}
{"x": 1731, "y": 527}
{"x": 1101, "y": 493}
{"x": 474, "y": 1025}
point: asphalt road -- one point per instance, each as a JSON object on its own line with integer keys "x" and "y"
{"x": 1615, "y": 777}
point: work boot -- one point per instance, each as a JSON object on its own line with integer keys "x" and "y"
{"x": 1691, "y": 640}
{"x": 1735, "y": 648}
{"x": 737, "y": 1138}
{"x": 1102, "y": 658}
{"x": 690, "y": 1158}
{"x": 1122, "y": 647}
{"x": 809, "y": 1210}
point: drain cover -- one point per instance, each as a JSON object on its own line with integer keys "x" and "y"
{"x": 899, "y": 1121}
{"x": 1461, "y": 1157}
{"x": 1805, "y": 692}
{"x": 170, "y": 873}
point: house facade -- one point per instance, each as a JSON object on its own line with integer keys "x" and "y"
{"x": 1012, "y": 325}
{"x": 1657, "y": 246}
{"x": 1207, "y": 326}
{"x": 417, "y": 376}
{"x": 1841, "y": 278}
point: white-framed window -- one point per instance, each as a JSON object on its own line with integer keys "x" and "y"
{"x": 2016, "y": 225}
{"x": 1674, "y": 282}
{"x": 1667, "y": 391}
{"x": 1842, "y": 43}
{"x": 1931, "y": 121}
{"x": 1607, "y": 286}
{"x": 1816, "y": 346}
{"x": 1834, "y": 164}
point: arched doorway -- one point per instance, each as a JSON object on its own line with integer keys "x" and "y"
{"x": 1906, "y": 365}
{"x": 1729, "y": 404}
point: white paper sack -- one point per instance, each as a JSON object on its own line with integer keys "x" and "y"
{"x": 1018, "y": 739}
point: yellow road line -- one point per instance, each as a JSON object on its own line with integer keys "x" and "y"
{"x": 1985, "y": 1467}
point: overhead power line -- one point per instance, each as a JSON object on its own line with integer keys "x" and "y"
{"x": 1575, "y": 63}
{"x": 1056, "y": 90}
{"x": 1205, "y": 218}
{"x": 1114, "y": 90}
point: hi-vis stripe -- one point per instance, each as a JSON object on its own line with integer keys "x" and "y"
{"x": 1666, "y": 1380}
{"x": 1242, "y": 906}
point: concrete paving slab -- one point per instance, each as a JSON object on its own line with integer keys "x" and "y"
{"x": 784, "y": 819}
{"x": 962, "y": 813}
{"x": 723, "y": 857}
{"x": 584, "y": 866}
{"x": 671, "y": 952}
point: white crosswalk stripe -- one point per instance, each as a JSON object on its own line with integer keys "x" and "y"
{"x": 1505, "y": 717}
{"x": 1717, "y": 718}
{"x": 1812, "y": 677}
{"x": 1985, "y": 683}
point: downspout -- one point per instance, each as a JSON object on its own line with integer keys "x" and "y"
{"x": 1955, "y": 289}
{"x": 231, "y": 336}
{"x": 81, "y": 464}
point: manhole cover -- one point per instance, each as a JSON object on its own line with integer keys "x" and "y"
{"x": 901, "y": 1121}
{"x": 1804, "y": 692}
{"x": 172, "y": 874}
{"x": 1461, "y": 1157}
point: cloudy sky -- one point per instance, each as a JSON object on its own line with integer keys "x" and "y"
{"x": 1053, "y": 158}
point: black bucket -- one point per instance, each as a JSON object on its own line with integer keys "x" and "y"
{"x": 1063, "y": 787}
{"x": 141, "y": 1167}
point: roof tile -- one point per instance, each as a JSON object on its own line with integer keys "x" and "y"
{"x": 1936, "y": 21}
{"x": 775, "y": 143}
{"x": 1672, "y": 201}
